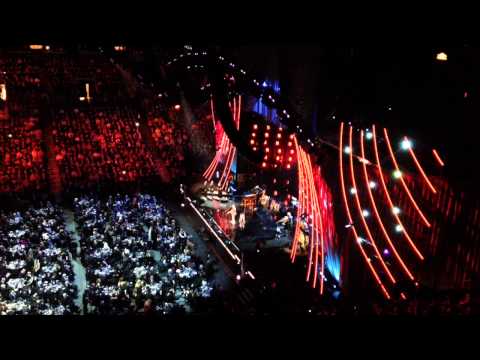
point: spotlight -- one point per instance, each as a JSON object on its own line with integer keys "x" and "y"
{"x": 398, "y": 228}
{"x": 369, "y": 135}
{"x": 386, "y": 252}
{"x": 264, "y": 164}
{"x": 291, "y": 151}
{"x": 353, "y": 191}
{"x": 137, "y": 124}
{"x": 177, "y": 107}
{"x": 10, "y": 136}
{"x": 360, "y": 240}
{"x": 289, "y": 166}
{"x": 289, "y": 143}
{"x": 397, "y": 174}
{"x": 255, "y": 126}
{"x": 254, "y": 148}
{"x": 406, "y": 144}
{"x": 238, "y": 277}
{"x": 396, "y": 210}
{"x": 279, "y": 136}
{"x": 267, "y": 135}
{"x": 372, "y": 184}
{"x": 182, "y": 205}
{"x": 347, "y": 150}
{"x": 267, "y": 150}
{"x": 252, "y": 142}
{"x": 365, "y": 213}
{"x": 442, "y": 56}
{"x": 124, "y": 172}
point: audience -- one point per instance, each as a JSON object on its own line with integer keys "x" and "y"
{"x": 104, "y": 146}
{"x": 137, "y": 256}
{"x": 36, "y": 274}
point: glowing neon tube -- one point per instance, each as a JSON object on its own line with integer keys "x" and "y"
{"x": 389, "y": 199}
{"x": 402, "y": 181}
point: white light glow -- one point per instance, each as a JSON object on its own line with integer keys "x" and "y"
{"x": 353, "y": 191}
{"x": 365, "y": 213}
{"x": 406, "y": 144}
{"x": 347, "y": 150}
{"x": 397, "y": 174}
{"x": 396, "y": 210}
{"x": 372, "y": 184}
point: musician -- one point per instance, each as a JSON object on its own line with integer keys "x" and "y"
{"x": 241, "y": 219}
{"x": 304, "y": 234}
{"x": 233, "y": 213}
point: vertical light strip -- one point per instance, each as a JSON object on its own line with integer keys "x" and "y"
{"x": 419, "y": 167}
{"x": 402, "y": 181}
{"x": 438, "y": 158}
{"x": 360, "y": 210}
{"x": 389, "y": 199}
{"x": 349, "y": 216}
{"x": 377, "y": 215}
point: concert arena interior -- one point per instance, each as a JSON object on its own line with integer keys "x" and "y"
{"x": 251, "y": 180}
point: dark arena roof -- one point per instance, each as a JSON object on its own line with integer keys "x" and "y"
{"x": 191, "y": 178}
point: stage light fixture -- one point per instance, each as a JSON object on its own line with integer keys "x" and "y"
{"x": 279, "y": 151}
{"x": 277, "y": 143}
{"x": 289, "y": 166}
{"x": 365, "y": 213}
{"x": 289, "y": 143}
{"x": 279, "y": 136}
{"x": 372, "y": 184}
{"x": 268, "y": 127}
{"x": 255, "y": 126}
{"x": 353, "y": 191}
{"x": 369, "y": 135}
{"x": 386, "y": 252}
{"x": 406, "y": 144}
{"x": 177, "y": 107}
{"x": 267, "y": 149}
{"x": 397, "y": 174}
{"x": 291, "y": 151}
{"x": 267, "y": 135}
{"x": 252, "y": 142}
{"x": 441, "y": 56}
{"x": 398, "y": 228}
{"x": 396, "y": 210}
{"x": 264, "y": 164}
{"x": 347, "y": 150}
{"x": 254, "y": 148}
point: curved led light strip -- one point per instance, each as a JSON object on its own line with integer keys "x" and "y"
{"x": 389, "y": 199}
{"x": 419, "y": 167}
{"x": 377, "y": 215}
{"x": 349, "y": 215}
{"x": 317, "y": 231}
{"x": 438, "y": 158}
{"x": 359, "y": 208}
{"x": 402, "y": 181}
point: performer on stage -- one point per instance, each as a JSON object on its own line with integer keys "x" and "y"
{"x": 304, "y": 234}
{"x": 233, "y": 213}
{"x": 241, "y": 219}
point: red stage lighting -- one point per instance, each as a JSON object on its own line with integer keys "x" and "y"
{"x": 252, "y": 142}
{"x": 278, "y": 158}
{"x": 267, "y": 149}
{"x": 288, "y": 166}
{"x": 289, "y": 158}
{"x": 264, "y": 164}
{"x": 255, "y": 126}
{"x": 253, "y": 134}
{"x": 291, "y": 151}
{"x": 279, "y": 151}
{"x": 277, "y": 143}
{"x": 289, "y": 143}
{"x": 267, "y": 135}
{"x": 254, "y": 148}
{"x": 177, "y": 107}
{"x": 268, "y": 127}
{"x": 275, "y": 193}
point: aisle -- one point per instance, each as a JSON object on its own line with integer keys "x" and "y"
{"x": 78, "y": 268}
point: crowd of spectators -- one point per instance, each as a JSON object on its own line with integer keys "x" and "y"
{"x": 22, "y": 160}
{"x": 137, "y": 257}
{"x": 100, "y": 146}
{"x": 36, "y": 274}
{"x": 171, "y": 140}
